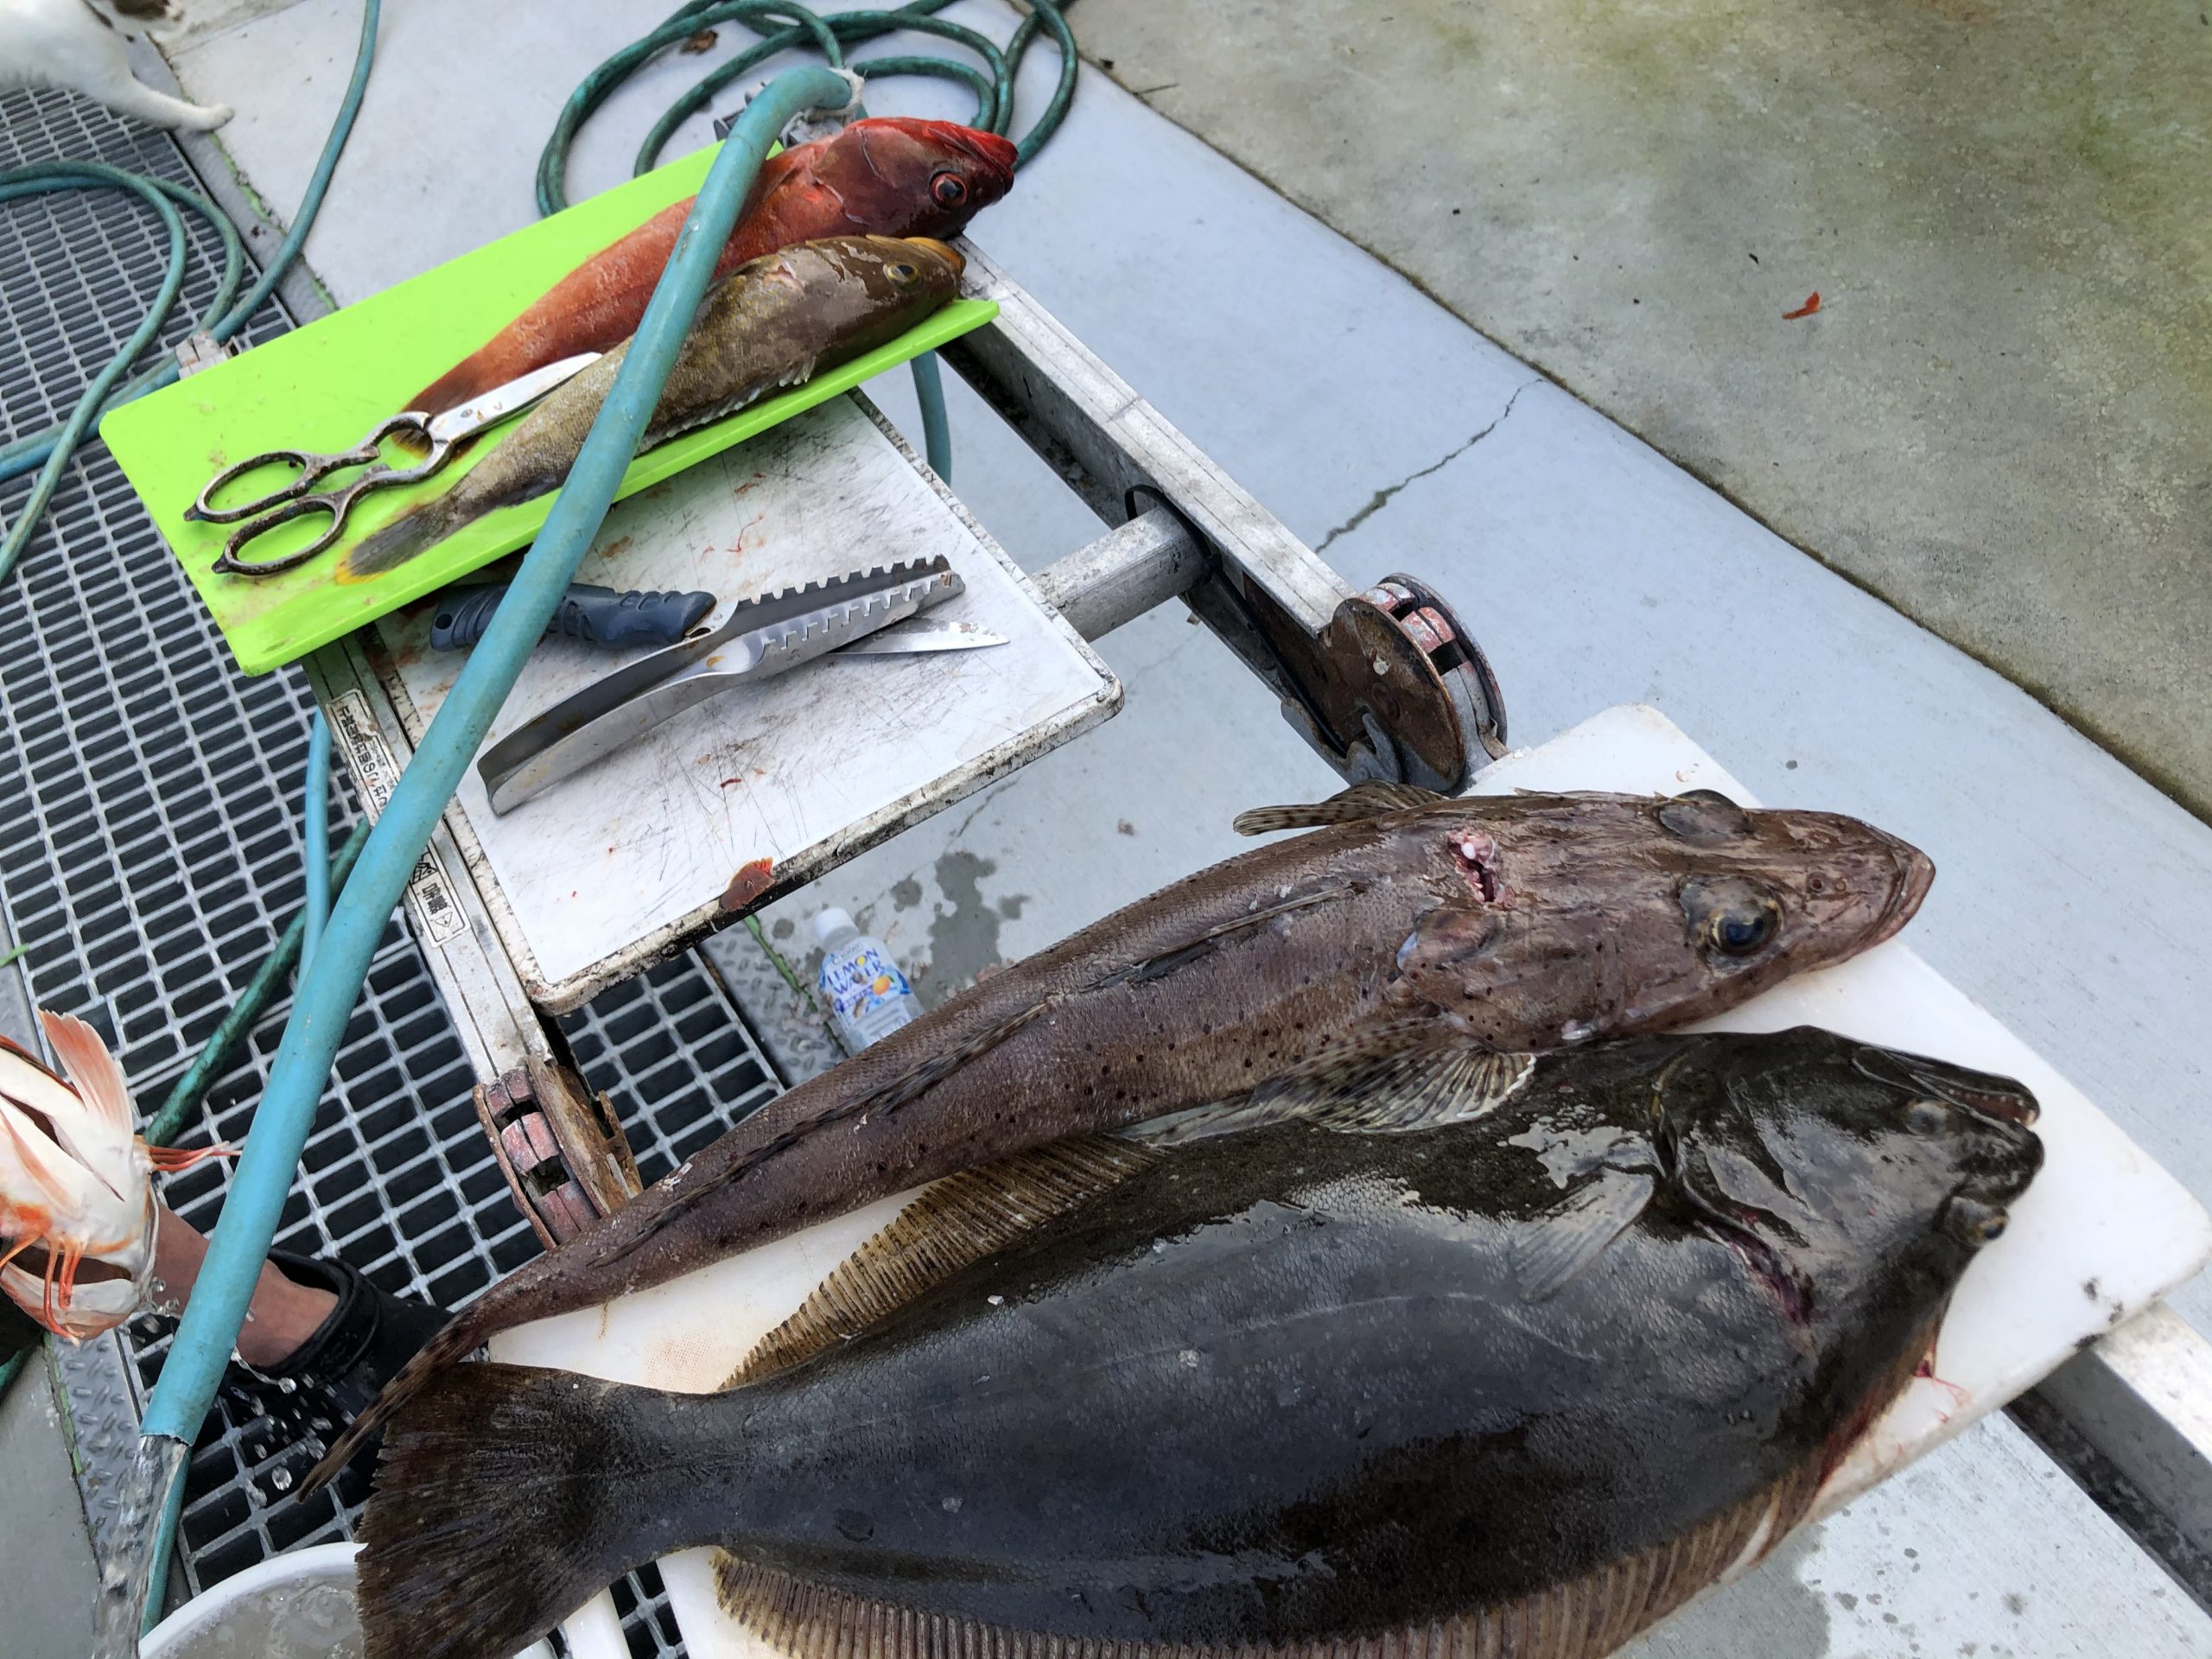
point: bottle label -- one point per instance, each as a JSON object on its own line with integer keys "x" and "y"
{"x": 858, "y": 982}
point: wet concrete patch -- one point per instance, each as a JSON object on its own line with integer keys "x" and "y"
{"x": 1998, "y": 418}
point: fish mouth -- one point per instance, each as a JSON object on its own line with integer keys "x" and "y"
{"x": 1983, "y": 1093}
{"x": 2014, "y": 1106}
{"x": 1915, "y": 874}
{"x": 945, "y": 251}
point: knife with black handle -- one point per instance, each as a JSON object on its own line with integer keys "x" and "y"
{"x": 598, "y": 616}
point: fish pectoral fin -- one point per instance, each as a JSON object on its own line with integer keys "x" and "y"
{"x": 1368, "y": 800}
{"x": 1441, "y": 962}
{"x": 1408, "y": 1077}
{"x": 1551, "y": 1252}
{"x": 952, "y": 1223}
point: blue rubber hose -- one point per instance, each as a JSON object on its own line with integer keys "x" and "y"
{"x": 331, "y": 983}
{"x": 81, "y": 418}
{"x": 937, "y": 430}
{"x": 315, "y": 831}
{"x": 157, "y": 1584}
{"x": 26, "y": 454}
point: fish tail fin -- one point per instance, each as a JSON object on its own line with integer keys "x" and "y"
{"x": 462, "y": 1333}
{"x": 413, "y": 532}
{"x": 500, "y": 1509}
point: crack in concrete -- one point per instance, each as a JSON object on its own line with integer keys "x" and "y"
{"x": 1381, "y": 498}
{"x": 976, "y": 811}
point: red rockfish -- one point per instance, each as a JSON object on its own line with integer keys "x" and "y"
{"x": 890, "y": 175}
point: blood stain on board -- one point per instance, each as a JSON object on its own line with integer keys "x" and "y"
{"x": 749, "y": 884}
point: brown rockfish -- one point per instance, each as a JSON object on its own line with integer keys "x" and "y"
{"x": 772, "y": 322}
{"x": 1425, "y": 1349}
{"x": 1525, "y": 921}
{"x": 888, "y": 176}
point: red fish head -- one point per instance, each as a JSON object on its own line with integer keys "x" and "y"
{"x": 909, "y": 177}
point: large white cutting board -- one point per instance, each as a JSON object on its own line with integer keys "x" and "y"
{"x": 2103, "y": 1234}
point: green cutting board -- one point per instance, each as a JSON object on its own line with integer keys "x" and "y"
{"x": 323, "y": 387}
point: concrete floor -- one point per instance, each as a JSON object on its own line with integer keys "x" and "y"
{"x": 2001, "y": 418}
{"x": 48, "y": 1576}
{"x": 2074, "y": 899}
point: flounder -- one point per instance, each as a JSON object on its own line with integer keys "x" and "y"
{"x": 1422, "y": 1347}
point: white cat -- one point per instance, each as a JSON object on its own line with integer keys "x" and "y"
{"x": 78, "y": 44}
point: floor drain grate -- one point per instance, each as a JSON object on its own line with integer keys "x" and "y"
{"x": 152, "y": 853}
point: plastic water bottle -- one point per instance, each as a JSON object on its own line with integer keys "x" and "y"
{"x": 868, "y": 997}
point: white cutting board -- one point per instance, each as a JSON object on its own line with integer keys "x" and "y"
{"x": 623, "y": 862}
{"x": 2103, "y": 1234}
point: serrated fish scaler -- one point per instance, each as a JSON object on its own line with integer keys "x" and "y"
{"x": 760, "y": 639}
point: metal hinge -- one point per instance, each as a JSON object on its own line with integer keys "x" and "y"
{"x": 559, "y": 1147}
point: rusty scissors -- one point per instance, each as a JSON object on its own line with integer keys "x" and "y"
{"x": 300, "y": 496}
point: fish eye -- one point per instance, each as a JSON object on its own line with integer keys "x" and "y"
{"x": 1730, "y": 915}
{"x": 901, "y": 273}
{"x": 1972, "y": 1221}
{"x": 950, "y": 189}
{"x": 1740, "y": 932}
{"x": 1926, "y": 1116}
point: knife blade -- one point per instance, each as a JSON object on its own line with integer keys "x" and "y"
{"x": 760, "y": 638}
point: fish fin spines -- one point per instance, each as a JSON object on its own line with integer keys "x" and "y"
{"x": 32, "y": 1083}
{"x": 469, "y": 1327}
{"x": 462, "y": 1336}
{"x": 41, "y": 1170}
{"x": 1583, "y": 1617}
{"x": 1406, "y": 1077}
{"x": 1368, "y": 800}
{"x": 490, "y": 1521}
{"x": 93, "y": 1069}
{"x": 952, "y": 1223}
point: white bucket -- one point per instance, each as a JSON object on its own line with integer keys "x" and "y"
{"x": 297, "y": 1605}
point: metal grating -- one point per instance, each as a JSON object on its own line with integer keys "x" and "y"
{"x": 152, "y": 853}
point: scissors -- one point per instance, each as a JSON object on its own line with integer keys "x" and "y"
{"x": 300, "y": 496}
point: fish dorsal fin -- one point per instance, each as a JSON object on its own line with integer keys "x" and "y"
{"x": 1368, "y": 800}
{"x": 949, "y": 1224}
{"x": 104, "y": 1136}
{"x": 39, "y": 1172}
{"x": 1552, "y": 1252}
{"x": 1408, "y": 1077}
{"x": 31, "y": 1083}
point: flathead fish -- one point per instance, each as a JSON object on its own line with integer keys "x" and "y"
{"x": 775, "y": 322}
{"x": 888, "y": 175}
{"x": 1425, "y": 1348}
{"x": 1525, "y": 923}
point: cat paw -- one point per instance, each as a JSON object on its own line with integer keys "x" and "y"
{"x": 210, "y": 117}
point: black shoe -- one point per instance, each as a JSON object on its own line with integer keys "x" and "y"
{"x": 329, "y": 1379}
{"x": 19, "y": 1332}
